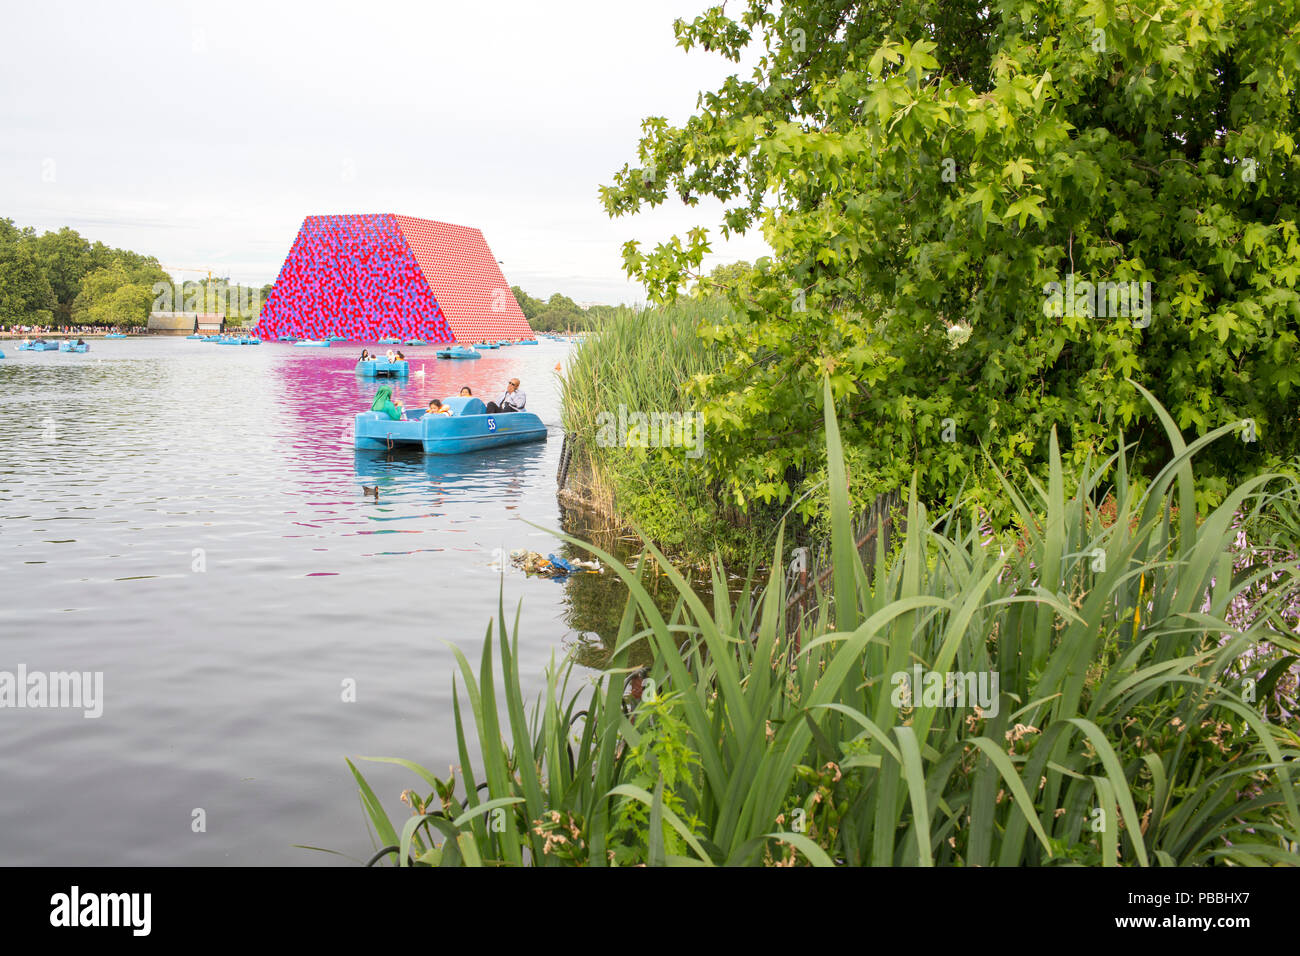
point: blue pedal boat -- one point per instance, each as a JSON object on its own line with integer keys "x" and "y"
{"x": 380, "y": 369}
{"x": 528, "y": 342}
{"x": 417, "y": 342}
{"x": 74, "y": 347}
{"x": 469, "y": 428}
{"x": 308, "y": 344}
{"x": 114, "y": 335}
{"x": 458, "y": 352}
{"x": 43, "y": 346}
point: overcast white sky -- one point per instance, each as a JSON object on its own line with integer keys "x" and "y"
{"x": 203, "y": 133}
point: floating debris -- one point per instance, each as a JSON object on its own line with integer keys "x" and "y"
{"x": 550, "y": 566}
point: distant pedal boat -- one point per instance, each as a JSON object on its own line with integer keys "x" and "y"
{"x": 458, "y": 352}
{"x": 73, "y": 347}
{"x": 380, "y": 369}
{"x": 468, "y": 429}
{"x": 309, "y": 344}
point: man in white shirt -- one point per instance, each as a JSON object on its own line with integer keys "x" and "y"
{"x": 512, "y": 400}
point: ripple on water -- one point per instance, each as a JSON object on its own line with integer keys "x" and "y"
{"x": 189, "y": 521}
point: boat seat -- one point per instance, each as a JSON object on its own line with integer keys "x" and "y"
{"x": 462, "y": 405}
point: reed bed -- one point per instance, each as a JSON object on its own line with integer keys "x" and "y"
{"x": 642, "y": 361}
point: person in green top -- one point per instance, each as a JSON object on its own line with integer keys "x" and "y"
{"x": 384, "y": 403}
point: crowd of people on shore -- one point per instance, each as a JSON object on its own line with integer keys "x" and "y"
{"x": 38, "y": 330}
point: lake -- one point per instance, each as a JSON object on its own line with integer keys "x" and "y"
{"x": 188, "y": 519}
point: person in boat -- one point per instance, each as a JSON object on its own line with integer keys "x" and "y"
{"x": 390, "y": 356}
{"x": 384, "y": 402}
{"x": 437, "y": 408}
{"x": 81, "y": 341}
{"x": 366, "y": 356}
{"x": 400, "y": 356}
{"x": 465, "y": 392}
{"x": 511, "y": 400}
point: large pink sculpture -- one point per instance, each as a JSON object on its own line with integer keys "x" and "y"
{"x": 386, "y": 276}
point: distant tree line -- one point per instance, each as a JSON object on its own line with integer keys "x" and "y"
{"x": 559, "y": 313}
{"x": 60, "y": 278}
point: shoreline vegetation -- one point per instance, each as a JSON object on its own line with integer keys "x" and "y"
{"x": 644, "y": 362}
{"x": 934, "y": 181}
{"x": 1145, "y": 710}
{"x": 60, "y": 279}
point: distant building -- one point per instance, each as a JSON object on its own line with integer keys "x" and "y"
{"x": 379, "y": 276}
{"x": 185, "y": 323}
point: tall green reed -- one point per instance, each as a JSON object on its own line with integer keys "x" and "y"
{"x": 1118, "y": 736}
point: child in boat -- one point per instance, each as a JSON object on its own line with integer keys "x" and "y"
{"x": 365, "y": 356}
{"x": 465, "y": 392}
{"x": 437, "y": 408}
{"x": 384, "y": 402}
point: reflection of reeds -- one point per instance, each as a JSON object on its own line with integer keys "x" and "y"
{"x": 1110, "y": 743}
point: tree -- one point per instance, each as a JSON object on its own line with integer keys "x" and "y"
{"x": 25, "y": 294}
{"x": 108, "y": 296}
{"x": 935, "y": 179}
{"x": 65, "y": 258}
{"x": 527, "y": 304}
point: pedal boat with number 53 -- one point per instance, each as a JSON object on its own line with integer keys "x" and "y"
{"x": 469, "y": 428}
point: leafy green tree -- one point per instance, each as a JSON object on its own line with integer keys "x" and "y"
{"x": 527, "y": 304}
{"x": 732, "y": 278}
{"x": 925, "y": 172}
{"x": 65, "y": 259}
{"x": 108, "y": 296}
{"x": 25, "y": 294}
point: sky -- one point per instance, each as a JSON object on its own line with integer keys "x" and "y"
{"x": 204, "y": 133}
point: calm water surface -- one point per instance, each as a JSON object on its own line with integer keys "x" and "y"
{"x": 189, "y": 519}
